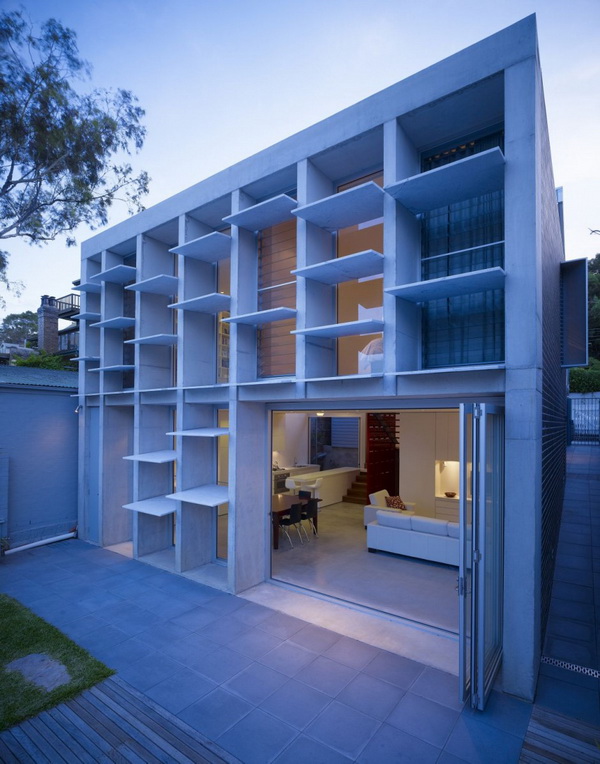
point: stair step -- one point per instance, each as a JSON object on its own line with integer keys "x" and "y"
{"x": 353, "y": 500}
{"x": 353, "y": 491}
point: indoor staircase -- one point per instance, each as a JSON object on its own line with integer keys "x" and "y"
{"x": 357, "y": 493}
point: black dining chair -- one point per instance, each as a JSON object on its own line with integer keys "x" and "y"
{"x": 294, "y": 518}
{"x": 310, "y": 512}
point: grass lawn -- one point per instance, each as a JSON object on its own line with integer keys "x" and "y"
{"x": 22, "y": 633}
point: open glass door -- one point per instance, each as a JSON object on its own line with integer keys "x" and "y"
{"x": 481, "y": 549}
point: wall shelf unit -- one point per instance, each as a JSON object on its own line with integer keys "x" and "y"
{"x": 348, "y": 329}
{"x": 210, "y": 248}
{"x": 451, "y": 286}
{"x": 119, "y": 322}
{"x": 153, "y": 457}
{"x": 162, "y": 284}
{"x": 262, "y": 316}
{"x": 159, "y": 506}
{"x": 208, "y": 303}
{"x": 154, "y": 339}
{"x": 206, "y": 495}
{"x": 118, "y": 274}
{"x": 116, "y": 367}
{"x": 276, "y": 210}
{"x": 202, "y": 432}
{"x": 360, "y": 265}
{"x": 464, "y": 179}
{"x": 351, "y": 207}
{"x": 88, "y": 286}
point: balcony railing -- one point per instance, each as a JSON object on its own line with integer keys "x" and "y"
{"x": 67, "y": 305}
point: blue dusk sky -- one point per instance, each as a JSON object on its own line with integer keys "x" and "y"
{"x": 223, "y": 79}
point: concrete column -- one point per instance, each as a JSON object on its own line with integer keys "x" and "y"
{"x": 249, "y": 492}
{"x": 402, "y": 246}
{"x": 523, "y": 332}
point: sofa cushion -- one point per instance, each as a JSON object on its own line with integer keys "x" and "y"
{"x": 395, "y": 502}
{"x": 430, "y": 525}
{"x": 393, "y": 519}
{"x": 378, "y": 498}
{"x": 454, "y": 530}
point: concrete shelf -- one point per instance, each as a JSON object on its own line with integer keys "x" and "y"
{"x": 362, "y": 264}
{"x": 163, "y": 284}
{"x": 265, "y": 214}
{"x": 87, "y": 358}
{"x": 88, "y": 286}
{"x": 210, "y": 248}
{"x": 202, "y": 432}
{"x": 87, "y": 315}
{"x": 208, "y": 303}
{"x": 262, "y": 316}
{"x": 118, "y": 274}
{"x": 119, "y": 322}
{"x": 159, "y": 506}
{"x": 153, "y": 457}
{"x": 154, "y": 339}
{"x": 351, "y": 207}
{"x": 451, "y": 286}
{"x": 465, "y": 179}
{"x": 206, "y": 495}
{"x": 348, "y": 329}
{"x": 116, "y": 367}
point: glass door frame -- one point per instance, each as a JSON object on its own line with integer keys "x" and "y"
{"x": 480, "y": 584}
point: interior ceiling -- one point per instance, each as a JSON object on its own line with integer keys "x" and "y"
{"x": 459, "y": 114}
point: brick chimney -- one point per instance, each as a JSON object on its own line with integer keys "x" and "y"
{"x": 48, "y": 325}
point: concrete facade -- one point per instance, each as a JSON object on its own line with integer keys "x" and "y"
{"x": 151, "y": 305}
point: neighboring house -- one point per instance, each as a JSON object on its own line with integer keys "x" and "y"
{"x": 54, "y": 337}
{"x": 399, "y": 264}
{"x": 38, "y": 453}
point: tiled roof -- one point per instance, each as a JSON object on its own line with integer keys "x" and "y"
{"x": 28, "y": 377}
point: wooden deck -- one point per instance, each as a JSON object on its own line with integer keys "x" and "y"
{"x": 111, "y": 722}
{"x": 552, "y": 737}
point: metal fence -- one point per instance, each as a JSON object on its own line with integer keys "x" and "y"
{"x": 584, "y": 419}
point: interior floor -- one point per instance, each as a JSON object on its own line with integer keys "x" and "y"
{"x": 338, "y": 564}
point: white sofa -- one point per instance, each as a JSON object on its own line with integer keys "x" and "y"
{"x": 377, "y": 500}
{"x": 424, "y": 537}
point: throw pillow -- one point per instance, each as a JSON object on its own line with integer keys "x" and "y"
{"x": 395, "y": 502}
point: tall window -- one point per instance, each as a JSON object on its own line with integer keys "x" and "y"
{"x": 276, "y": 289}
{"x": 360, "y": 298}
{"x": 463, "y": 237}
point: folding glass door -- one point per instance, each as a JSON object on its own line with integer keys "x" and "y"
{"x": 481, "y": 553}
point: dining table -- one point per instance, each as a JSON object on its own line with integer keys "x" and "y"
{"x": 280, "y": 506}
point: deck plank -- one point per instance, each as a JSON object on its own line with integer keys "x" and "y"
{"x": 62, "y": 717}
{"x": 22, "y": 734}
{"x": 135, "y": 739}
{"x": 7, "y": 752}
{"x": 68, "y": 736}
{"x": 188, "y": 741}
{"x": 552, "y": 737}
{"x": 88, "y": 737}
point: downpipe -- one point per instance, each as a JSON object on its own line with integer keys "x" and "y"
{"x": 43, "y": 542}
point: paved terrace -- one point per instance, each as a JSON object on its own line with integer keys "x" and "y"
{"x": 205, "y": 676}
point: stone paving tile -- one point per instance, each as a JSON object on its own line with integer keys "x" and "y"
{"x": 371, "y": 696}
{"x": 343, "y": 728}
{"x": 296, "y": 703}
{"x": 392, "y": 746}
{"x": 303, "y": 750}
{"x": 257, "y": 738}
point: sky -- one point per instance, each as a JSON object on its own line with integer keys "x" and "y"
{"x": 223, "y": 79}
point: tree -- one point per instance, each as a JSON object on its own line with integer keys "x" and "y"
{"x": 62, "y": 153}
{"x": 44, "y": 360}
{"x": 16, "y": 327}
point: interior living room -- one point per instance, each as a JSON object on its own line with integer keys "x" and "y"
{"x": 341, "y": 458}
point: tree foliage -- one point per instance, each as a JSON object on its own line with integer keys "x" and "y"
{"x": 16, "y": 327}
{"x": 587, "y": 380}
{"x": 44, "y": 360}
{"x": 62, "y": 153}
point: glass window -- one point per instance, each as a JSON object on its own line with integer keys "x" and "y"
{"x": 276, "y": 349}
{"x": 360, "y": 298}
